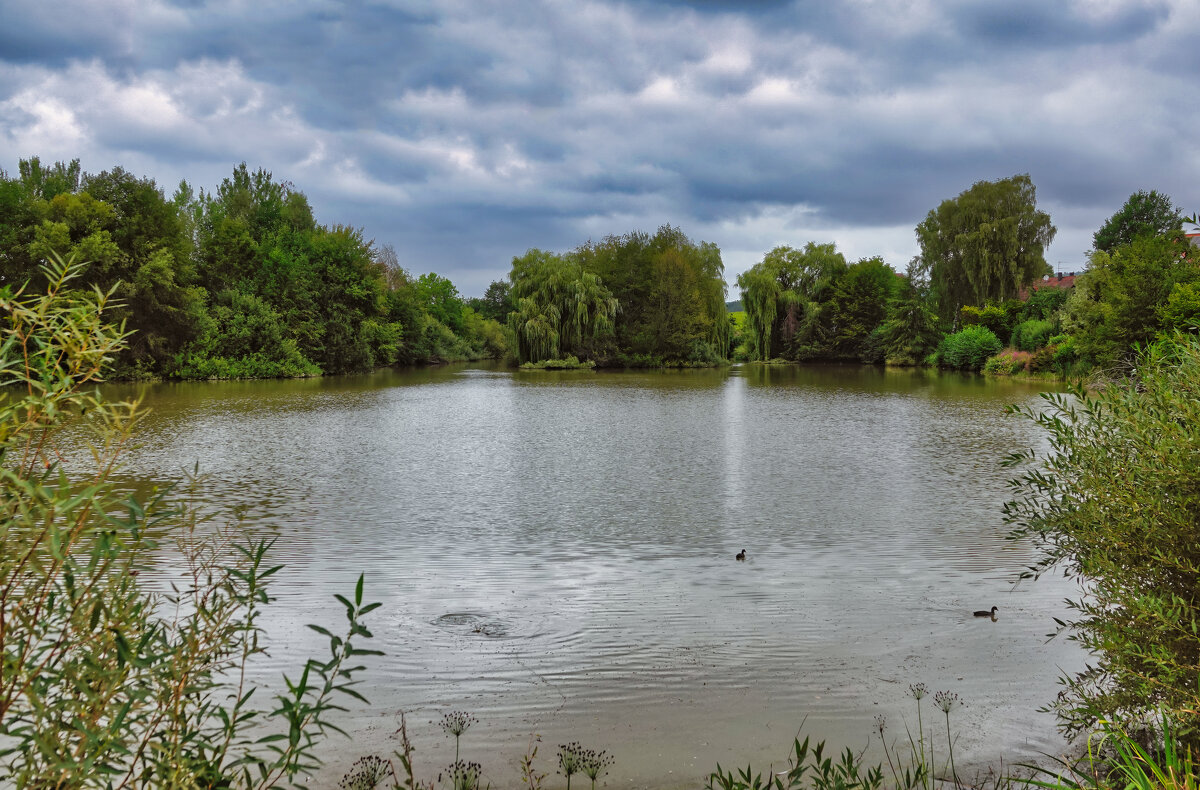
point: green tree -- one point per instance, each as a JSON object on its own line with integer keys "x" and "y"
{"x": 1115, "y": 503}
{"x": 783, "y": 296}
{"x": 1119, "y": 302}
{"x": 138, "y": 244}
{"x": 647, "y": 274}
{"x": 561, "y": 308}
{"x": 985, "y": 244}
{"x": 1144, "y": 214}
{"x": 496, "y": 302}
{"x": 441, "y": 300}
{"x": 859, "y": 305}
{"x": 910, "y": 332}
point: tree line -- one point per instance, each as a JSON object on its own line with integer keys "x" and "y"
{"x": 244, "y": 282}
{"x": 979, "y": 295}
{"x": 237, "y": 283}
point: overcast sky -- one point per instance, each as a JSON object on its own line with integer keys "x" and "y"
{"x": 464, "y": 132}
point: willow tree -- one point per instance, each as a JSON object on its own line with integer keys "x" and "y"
{"x": 780, "y": 294}
{"x": 760, "y": 300}
{"x": 712, "y": 294}
{"x": 536, "y": 328}
{"x": 591, "y": 310}
{"x": 671, "y": 293}
{"x": 986, "y": 244}
{"x": 560, "y": 308}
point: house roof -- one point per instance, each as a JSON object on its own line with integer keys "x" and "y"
{"x": 1058, "y": 280}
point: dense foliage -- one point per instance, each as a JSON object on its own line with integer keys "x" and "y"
{"x": 810, "y": 304}
{"x": 985, "y": 244}
{"x": 969, "y": 348}
{"x": 1132, "y": 295}
{"x": 637, "y": 300}
{"x": 1144, "y": 214}
{"x": 242, "y": 282}
{"x": 1116, "y": 502}
{"x": 107, "y": 683}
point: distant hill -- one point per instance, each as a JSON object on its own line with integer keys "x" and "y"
{"x": 734, "y": 307}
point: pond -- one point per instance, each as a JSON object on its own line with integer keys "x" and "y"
{"x": 555, "y": 555}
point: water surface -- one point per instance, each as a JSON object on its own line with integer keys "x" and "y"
{"x": 554, "y": 551}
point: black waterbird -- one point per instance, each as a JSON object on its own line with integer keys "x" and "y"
{"x": 985, "y": 613}
{"x": 741, "y": 555}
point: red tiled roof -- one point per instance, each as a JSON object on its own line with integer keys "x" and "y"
{"x": 1059, "y": 280}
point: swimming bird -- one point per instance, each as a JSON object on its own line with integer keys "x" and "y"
{"x": 741, "y": 555}
{"x": 985, "y": 613}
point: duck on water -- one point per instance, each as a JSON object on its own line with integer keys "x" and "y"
{"x": 985, "y": 613}
{"x": 741, "y": 555}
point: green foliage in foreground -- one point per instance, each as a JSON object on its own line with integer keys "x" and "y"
{"x": 1116, "y": 503}
{"x": 1117, "y": 759}
{"x": 106, "y": 684}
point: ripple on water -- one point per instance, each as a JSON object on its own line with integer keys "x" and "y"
{"x": 555, "y": 553}
{"x": 478, "y": 623}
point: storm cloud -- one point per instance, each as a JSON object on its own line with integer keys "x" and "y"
{"x": 463, "y": 133}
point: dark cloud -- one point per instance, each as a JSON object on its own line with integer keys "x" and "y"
{"x": 1031, "y": 24}
{"x": 465, "y": 132}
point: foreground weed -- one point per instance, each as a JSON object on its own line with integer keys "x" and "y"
{"x": 529, "y": 775}
{"x": 569, "y": 760}
{"x": 947, "y": 701}
{"x": 366, "y": 774}
{"x": 463, "y": 775}
{"x": 593, "y": 764}
{"x": 810, "y": 768}
{"x": 1116, "y": 759}
{"x": 105, "y": 683}
{"x": 456, "y": 723}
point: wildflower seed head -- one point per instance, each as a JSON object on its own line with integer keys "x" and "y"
{"x": 456, "y": 722}
{"x": 880, "y": 722}
{"x": 463, "y": 775}
{"x": 595, "y": 764}
{"x": 366, "y": 773}
{"x": 946, "y": 700}
{"x": 917, "y": 691}
{"x": 569, "y": 758}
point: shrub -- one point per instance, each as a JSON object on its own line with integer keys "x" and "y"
{"x": 992, "y": 317}
{"x": 1032, "y": 334}
{"x": 1042, "y": 360}
{"x": 571, "y": 362}
{"x": 244, "y": 338}
{"x": 105, "y": 683}
{"x": 1007, "y": 363}
{"x": 1065, "y": 355}
{"x": 1116, "y": 503}
{"x": 968, "y": 349}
